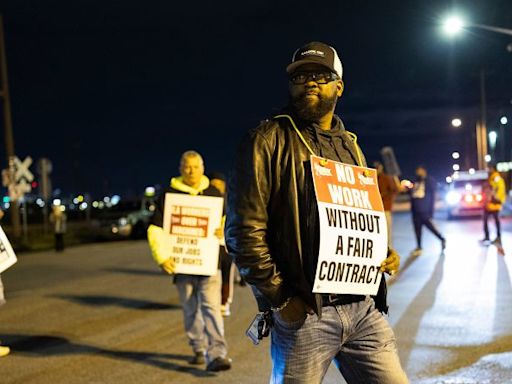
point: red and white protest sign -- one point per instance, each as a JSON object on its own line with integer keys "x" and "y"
{"x": 353, "y": 230}
{"x": 189, "y": 224}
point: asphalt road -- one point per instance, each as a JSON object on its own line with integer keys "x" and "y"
{"x": 103, "y": 313}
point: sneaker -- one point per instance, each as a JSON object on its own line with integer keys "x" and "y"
{"x": 198, "y": 358}
{"x": 496, "y": 241}
{"x": 219, "y": 364}
{"x": 485, "y": 240}
{"x": 416, "y": 252}
{"x": 4, "y": 351}
{"x": 225, "y": 310}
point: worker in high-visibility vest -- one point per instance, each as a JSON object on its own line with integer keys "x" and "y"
{"x": 495, "y": 196}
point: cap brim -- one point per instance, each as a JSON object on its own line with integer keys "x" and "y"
{"x": 293, "y": 66}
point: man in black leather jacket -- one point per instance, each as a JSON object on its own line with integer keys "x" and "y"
{"x": 272, "y": 233}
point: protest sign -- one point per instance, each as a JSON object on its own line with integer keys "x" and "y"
{"x": 353, "y": 232}
{"x": 189, "y": 225}
{"x": 7, "y": 255}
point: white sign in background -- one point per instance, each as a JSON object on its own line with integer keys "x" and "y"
{"x": 189, "y": 226}
{"x": 7, "y": 255}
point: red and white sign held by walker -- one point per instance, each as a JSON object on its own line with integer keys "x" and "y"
{"x": 353, "y": 230}
{"x": 189, "y": 225}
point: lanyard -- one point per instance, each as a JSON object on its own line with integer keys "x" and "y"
{"x": 354, "y": 137}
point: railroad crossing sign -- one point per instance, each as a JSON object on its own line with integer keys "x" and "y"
{"x": 17, "y": 177}
{"x": 22, "y": 171}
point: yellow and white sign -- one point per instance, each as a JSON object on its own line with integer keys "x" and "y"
{"x": 189, "y": 224}
{"x": 7, "y": 255}
{"x": 353, "y": 231}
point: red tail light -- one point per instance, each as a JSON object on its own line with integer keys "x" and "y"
{"x": 468, "y": 198}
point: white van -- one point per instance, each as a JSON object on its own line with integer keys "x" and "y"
{"x": 465, "y": 194}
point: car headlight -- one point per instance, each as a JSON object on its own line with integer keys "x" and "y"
{"x": 453, "y": 197}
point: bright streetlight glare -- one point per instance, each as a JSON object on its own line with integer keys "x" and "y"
{"x": 471, "y": 171}
{"x": 493, "y": 136}
{"x": 456, "y": 167}
{"x": 487, "y": 158}
{"x": 456, "y": 123}
{"x": 453, "y": 25}
{"x": 504, "y": 120}
{"x": 455, "y": 155}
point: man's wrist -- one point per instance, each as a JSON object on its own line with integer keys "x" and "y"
{"x": 282, "y": 306}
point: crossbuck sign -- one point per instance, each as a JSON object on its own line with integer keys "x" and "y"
{"x": 18, "y": 177}
{"x": 22, "y": 171}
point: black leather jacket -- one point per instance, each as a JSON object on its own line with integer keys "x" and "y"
{"x": 270, "y": 200}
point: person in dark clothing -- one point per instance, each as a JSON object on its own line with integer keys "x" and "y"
{"x": 423, "y": 197}
{"x": 218, "y": 180}
{"x": 273, "y": 232}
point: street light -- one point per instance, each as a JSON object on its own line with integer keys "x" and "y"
{"x": 493, "y": 136}
{"x": 456, "y": 122}
{"x": 452, "y": 26}
{"x": 504, "y": 120}
{"x": 455, "y": 155}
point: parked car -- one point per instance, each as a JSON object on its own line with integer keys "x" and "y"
{"x": 134, "y": 223}
{"x": 465, "y": 195}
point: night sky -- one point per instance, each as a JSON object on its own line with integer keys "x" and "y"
{"x": 112, "y": 92}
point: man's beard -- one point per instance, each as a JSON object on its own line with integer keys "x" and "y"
{"x": 313, "y": 112}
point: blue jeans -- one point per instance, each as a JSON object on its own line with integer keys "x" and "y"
{"x": 200, "y": 298}
{"x": 356, "y": 336}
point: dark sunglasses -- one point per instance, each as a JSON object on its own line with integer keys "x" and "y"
{"x": 299, "y": 78}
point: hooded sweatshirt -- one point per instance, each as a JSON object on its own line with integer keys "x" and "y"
{"x": 331, "y": 145}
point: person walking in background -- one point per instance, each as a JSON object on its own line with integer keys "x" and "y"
{"x": 218, "y": 180}
{"x": 423, "y": 198}
{"x": 199, "y": 295}
{"x": 389, "y": 186}
{"x": 59, "y": 220}
{"x": 4, "y": 350}
{"x": 495, "y": 195}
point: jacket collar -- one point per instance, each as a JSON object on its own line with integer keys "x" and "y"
{"x": 178, "y": 184}
{"x": 348, "y": 138}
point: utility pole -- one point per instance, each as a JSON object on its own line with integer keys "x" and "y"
{"x": 481, "y": 125}
{"x": 9, "y": 137}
